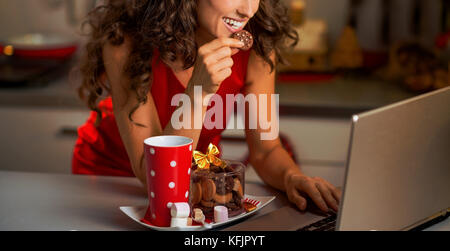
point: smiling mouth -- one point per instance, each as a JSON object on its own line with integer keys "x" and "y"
{"x": 233, "y": 23}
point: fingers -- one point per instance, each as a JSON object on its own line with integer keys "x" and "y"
{"x": 297, "y": 199}
{"x": 222, "y": 53}
{"x": 337, "y": 193}
{"x": 321, "y": 192}
{"x": 326, "y": 194}
{"x": 222, "y": 64}
{"x": 218, "y": 65}
{"x": 222, "y": 42}
{"x": 221, "y": 75}
{"x": 308, "y": 186}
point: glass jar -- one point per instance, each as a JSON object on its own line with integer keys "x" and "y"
{"x": 218, "y": 186}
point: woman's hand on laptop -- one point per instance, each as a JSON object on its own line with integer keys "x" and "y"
{"x": 321, "y": 192}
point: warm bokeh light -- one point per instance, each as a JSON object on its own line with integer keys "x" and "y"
{"x": 8, "y": 50}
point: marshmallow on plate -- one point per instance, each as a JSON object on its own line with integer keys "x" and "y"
{"x": 220, "y": 214}
{"x": 178, "y": 222}
{"x": 180, "y": 213}
{"x": 180, "y": 210}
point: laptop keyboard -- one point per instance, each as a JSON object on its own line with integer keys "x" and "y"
{"x": 327, "y": 224}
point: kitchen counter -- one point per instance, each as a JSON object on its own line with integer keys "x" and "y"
{"x": 37, "y": 201}
{"x": 341, "y": 97}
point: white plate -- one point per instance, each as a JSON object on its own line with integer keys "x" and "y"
{"x": 138, "y": 212}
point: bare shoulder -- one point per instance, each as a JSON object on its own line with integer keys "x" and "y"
{"x": 258, "y": 68}
{"x": 116, "y": 54}
{"x": 115, "y": 58}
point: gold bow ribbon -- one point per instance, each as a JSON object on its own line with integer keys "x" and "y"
{"x": 203, "y": 161}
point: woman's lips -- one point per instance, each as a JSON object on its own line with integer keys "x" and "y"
{"x": 233, "y": 25}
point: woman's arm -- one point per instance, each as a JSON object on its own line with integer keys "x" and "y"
{"x": 270, "y": 160}
{"x": 212, "y": 67}
{"x": 124, "y": 99}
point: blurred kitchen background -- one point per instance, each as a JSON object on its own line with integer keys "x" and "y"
{"x": 353, "y": 56}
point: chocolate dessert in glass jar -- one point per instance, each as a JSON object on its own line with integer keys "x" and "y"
{"x": 216, "y": 185}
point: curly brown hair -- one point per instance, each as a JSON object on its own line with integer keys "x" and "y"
{"x": 169, "y": 26}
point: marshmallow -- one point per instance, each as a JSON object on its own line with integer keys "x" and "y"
{"x": 220, "y": 214}
{"x": 179, "y": 222}
{"x": 180, "y": 210}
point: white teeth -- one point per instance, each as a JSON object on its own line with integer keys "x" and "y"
{"x": 233, "y": 23}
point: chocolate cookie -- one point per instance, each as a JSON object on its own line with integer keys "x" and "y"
{"x": 208, "y": 204}
{"x": 246, "y": 37}
{"x": 238, "y": 211}
{"x": 237, "y": 199}
{"x": 224, "y": 184}
{"x": 196, "y": 193}
{"x": 229, "y": 169}
{"x": 229, "y": 183}
{"x": 198, "y": 174}
{"x": 231, "y": 206}
{"x": 237, "y": 187}
{"x": 208, "y": 189}
{"x": 223, "y": 199}
{"x": 216, "y": 169}
{"x": 220, "y": 184}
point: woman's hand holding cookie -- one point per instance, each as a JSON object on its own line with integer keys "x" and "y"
{"x": 214, "y": 62}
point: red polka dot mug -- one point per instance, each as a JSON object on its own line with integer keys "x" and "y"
{"x": 168, "y": 161}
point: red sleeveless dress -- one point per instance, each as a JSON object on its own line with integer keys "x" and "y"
{"x": 99, "y": 150}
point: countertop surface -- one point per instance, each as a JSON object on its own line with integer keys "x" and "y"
{"x": 339, "y": 97}
{"x": 43, "y": 201}
{"x": 38, "y": 201}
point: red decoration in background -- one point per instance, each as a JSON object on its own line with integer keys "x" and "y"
{"x": 442, "y": 40}
{"x": 59, "y": 53}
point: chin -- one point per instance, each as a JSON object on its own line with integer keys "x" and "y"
{"x": 220, "y": 33}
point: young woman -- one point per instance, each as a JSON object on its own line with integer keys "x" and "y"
{"x": 143, "y": 52}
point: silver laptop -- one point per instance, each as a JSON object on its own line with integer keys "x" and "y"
{"x": 397, "y": 173}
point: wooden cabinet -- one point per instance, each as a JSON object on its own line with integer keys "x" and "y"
{"x": 38, "y": 139}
